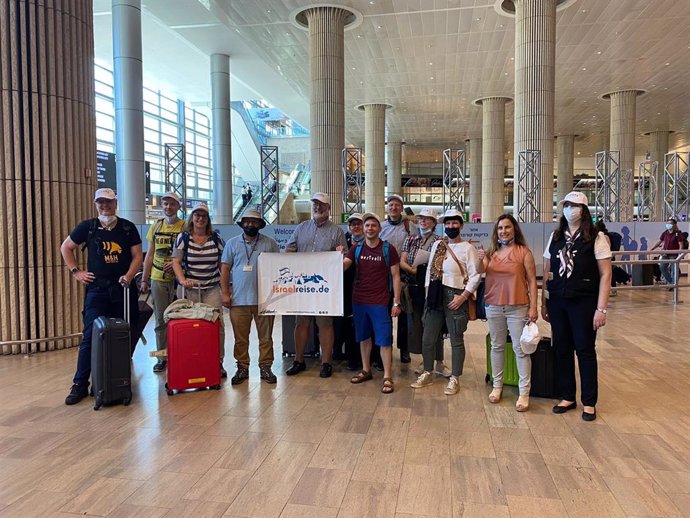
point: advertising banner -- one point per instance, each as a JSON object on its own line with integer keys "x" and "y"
{"x": 301, "y": 284}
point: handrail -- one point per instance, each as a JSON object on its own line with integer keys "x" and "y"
{"x": 680, "y": 258}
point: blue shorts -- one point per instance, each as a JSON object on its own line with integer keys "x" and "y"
{"x": 376, "y": 319}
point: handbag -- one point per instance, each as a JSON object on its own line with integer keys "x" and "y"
{"x": 434, "y": 294}
{"x": 479, "y": 299}
{"x": 471, "y": 301}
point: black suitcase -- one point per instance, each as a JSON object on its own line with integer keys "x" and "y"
{"x": 643, "y": 274}
{"x": 313, "y": 347}
{"x": 111, "y": 377}
{"x": 544, "y": 377}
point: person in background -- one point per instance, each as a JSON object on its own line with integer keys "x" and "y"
{"x": 196, "y": 263}
{"x": 159, "y": 276}
{"x": 511, "y": 300}
{"x": 577, "y": 272}
{"x": 671, "y": 239}
{"x": 354, "y": 235}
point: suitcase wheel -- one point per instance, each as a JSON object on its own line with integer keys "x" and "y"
{"x": 215, "y": 387}
{"x": 99, "y": 403}
{"x": 127, "y": 401}
{"x": 170, "y": 392}
{"x": 487, "y": 379}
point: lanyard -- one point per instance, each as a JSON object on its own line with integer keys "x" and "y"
{"x": 246, "y": 249}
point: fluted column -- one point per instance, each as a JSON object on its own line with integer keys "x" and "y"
{"x": 658, "y": 147}
{"x": 394, "y": 174}
{"x": 129, "y": 109}
{"x": 327, "y": 103}
{"x": 474, "y": 147}
{"x": 622, "y": 130}
{"x": 493, "y": 155}
{"x": 566, "y": 164}
{"x": 47, "y": 166}
{"x": 374, "y": 148}
{"x": 221, "y": 139}
{"x": 535, "y": 83}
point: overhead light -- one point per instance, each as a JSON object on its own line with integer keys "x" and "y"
{"x": 268, "y": 11}
{"x": 371, "y": 2}
{"x": 598, "y": 52}
{"x": 584, "y": 10}
{"x": 477, "y": 19}
{"x": 379, "y": 26}
{"x": 500, "y": 25}
{"x": 584, "y": 68}
{"x": 667, "y": 64}
{"x": 430, "y": 63}
{"x": 354, "y": 68}
{"x": 505, "y": 73}
{"x": 359, "y": 35}
{"x": 432, "y": 78}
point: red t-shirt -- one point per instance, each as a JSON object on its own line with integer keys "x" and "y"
{"x": 371, "y": 278}
{"x": 671, "y": 240}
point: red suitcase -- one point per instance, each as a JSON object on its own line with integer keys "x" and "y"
{"x": 193, "y": 356}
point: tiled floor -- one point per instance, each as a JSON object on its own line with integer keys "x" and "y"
{"x": 326, "y": 448}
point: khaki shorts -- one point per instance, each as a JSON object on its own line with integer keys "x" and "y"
{"x": 321, "y": 322}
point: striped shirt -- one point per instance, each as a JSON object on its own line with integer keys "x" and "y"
{"x": 203, "y": 261}
{"x": 310, "y": 237}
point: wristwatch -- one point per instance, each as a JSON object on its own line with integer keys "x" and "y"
{"x": 74, "y": 270}
{"x": 396, "y": 304}
{"x": 602, "y": 310}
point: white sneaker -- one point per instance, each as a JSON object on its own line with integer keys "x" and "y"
{"x": 419, "y": 370}
{"x": 442, "y": 370}
{"x": 452, "y": 387}
{"x": 426, "y": 378}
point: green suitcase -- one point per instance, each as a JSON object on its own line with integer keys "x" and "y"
{"x": 510, "y": 372}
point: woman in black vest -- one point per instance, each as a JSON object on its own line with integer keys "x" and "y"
{"x": 577, "y": 272}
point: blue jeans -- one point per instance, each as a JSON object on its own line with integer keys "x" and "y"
{"x": 107, "y": 301}
{"x": 456, "y": 322}
{"x": 667, "y": 269}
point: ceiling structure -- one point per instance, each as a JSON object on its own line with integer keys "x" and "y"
{"x": 430, "y": 59}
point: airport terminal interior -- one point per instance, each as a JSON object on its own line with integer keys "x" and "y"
{"x": 484, "y": 106}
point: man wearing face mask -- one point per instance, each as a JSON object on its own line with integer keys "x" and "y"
{"x": 396, "y": 229}
{"x": 159, "y": 276}
{"x": 114, "y": 258}
{"x": 239, "y": 264}
{"x": 671, "y": 239}
{"x": 318, "y": 234}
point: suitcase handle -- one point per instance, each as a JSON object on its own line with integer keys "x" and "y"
{"x": 198, "y": 288}
{"x": 127, "y": 303}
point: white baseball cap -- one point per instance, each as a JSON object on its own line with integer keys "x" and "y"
{"x": 395, "y": 197}
{"x": 201, "y": 207}
{"x": 322, "y": 197}
{"x": 172, "y": 196}
{"x": 370, "y": 215}
{"x": 428, "y": 212}
{"x": 451, "y": 214}
{"x": 105, "y": 193}
{"x": 355, "y": 216}
{"x": 573, "y": 197}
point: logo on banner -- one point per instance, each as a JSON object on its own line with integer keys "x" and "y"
{"x": 287, "y": 282}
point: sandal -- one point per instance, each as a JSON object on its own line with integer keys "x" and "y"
{"x": 495, "y": 395}
{"x": 522, "y": 404}
{"x": 361, "y": 377}
{"x": 387, "y": 387}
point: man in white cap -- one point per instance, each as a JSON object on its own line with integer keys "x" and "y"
{"x": 114, "y": 258}
{"x": 159, "y": 276}
{"x": 416, "y": 248}
{"x": 239, "y": 264}
{"x": 318, "y": 234}
{"x": 354, "y": 235}
{"x": 396, "y": 229}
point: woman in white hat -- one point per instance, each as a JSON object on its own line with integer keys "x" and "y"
{"x": 577, "y": 273}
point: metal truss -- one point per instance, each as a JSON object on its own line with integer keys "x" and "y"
{"x": 527, "y": 197}
{"x": 270, "y": 200}
{"x": 608, "y": 181}
{"x": 676, "y": 186}
{"x": 454, "y": 179}
{"x": 352, "y": 181}
{"x": 176, "y": 173}
{"x": 647, "y": 190}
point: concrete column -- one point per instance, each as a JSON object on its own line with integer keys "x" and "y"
{"x": 493, "y": 155}
{"x": 535, "y": 66}
{"x": 658, "y": 147}
{"x": 374, "y": 146}
{"x": 566, "y": 164}
{"x": 48, "y": 168}
{"x": 622, "y": 129}
{"x": 129, "y": 109}
{"x": 221, "y": 139}
{"x": 394, "y": 174}
{"x": 327, "y": 102}
{"x": 474, "y": 149}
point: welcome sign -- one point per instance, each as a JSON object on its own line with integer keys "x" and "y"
{"x": 301, "y": 284}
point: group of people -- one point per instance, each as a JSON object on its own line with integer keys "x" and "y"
{"x": 397, "y": 268}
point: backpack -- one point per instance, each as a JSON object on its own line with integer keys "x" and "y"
{"x": 215, "y": 236}
{"x": 386, "y": 258}
{"x": 93, "y": 225}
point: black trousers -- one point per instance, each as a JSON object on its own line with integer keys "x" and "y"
{"x": 573, "y": 333}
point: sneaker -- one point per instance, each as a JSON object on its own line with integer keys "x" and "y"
{"x": 442, "y": 370}
{"x": 296, "y": 368}
{"x": 425, "y": 379}
{"x": 223, "y": 372}
{"x": 76, "y": 394}
{"x": 419, "y": 370}
{"x": 326, "y": 370}
{"x": 452, "y": 387}
{"x": 160, "y": 366}
{"x": 241, "y": 375}
{"x": 267, "y": 374}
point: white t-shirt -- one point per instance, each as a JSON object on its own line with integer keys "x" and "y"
{"x": 452, "y": 276}
{"x": 602, "y": 247}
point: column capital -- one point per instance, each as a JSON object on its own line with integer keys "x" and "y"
{"x": 656, "y": 132}
{"x": 352, "y": 18}
{"x": 507, "y": 7}
{"x": 480, "y": 101}
{"x": 609, "y": 95}
{"x": 364, "y": 106}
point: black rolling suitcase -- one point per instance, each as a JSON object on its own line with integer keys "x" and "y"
{"x": 111, "y": 377}
{"x": 313, "y": 347}
{"x": 544, "y": 378}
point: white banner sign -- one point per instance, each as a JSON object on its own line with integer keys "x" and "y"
{"x": 301, "y": 284}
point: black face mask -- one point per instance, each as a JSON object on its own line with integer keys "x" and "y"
{"x": 251, "y": 231}
{"x": 452, "y": 232}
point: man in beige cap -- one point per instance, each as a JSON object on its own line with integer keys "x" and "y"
{"x": 159, "y": 276}
{"x": 318, "y": 234}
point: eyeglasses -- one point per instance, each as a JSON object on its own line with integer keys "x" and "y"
{"x": 198, "y": 215}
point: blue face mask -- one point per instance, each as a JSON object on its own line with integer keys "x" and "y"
{"x": 669, "y": 226}
{"x": 504, "y": 242}
{"x": 424, "y": 231}
{"x": 357, "y": 239}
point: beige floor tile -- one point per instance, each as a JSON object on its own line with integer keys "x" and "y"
{"x": 562, "y": 451}
{"x": 369, "y": 499}
{"x": 304, "y": 431}
{"x": 37, "y": 503}
{"x": 473, "y": 444}
{"x": 198, "y": 463}
{"x": 672, "y": 481}
{"x": 386, "y": 435}
{"x": 428, "y": 451}
{"x": 641, "y": 497}
{"x": 197, "y": 509}
{"x": 350, "y": 422}
{"x": 587, "y": 504}
{"x": 504, "y": 417}
{"x": 529, "y": 507}
{"x": 673, "y": 435}
{"x": 211, "y": 444}
{"x": 392, "y": 413}
{"x": 219, "y": 485}
{"x": 477, "y": 480}
{"x": 428, "y": 426}
{"x": 320, "y": 487}
{"x": 513, "y": 439}
{"x": 429, "y": 407}
{"x": 230, "y": 425}
{"x": 102, "y": 497}
{"x": 163, "y": 490}
{"x": 682, "y": 502}
{"x": 475, "y": 510}
{"x": 654, "y": 453}
{"x": 300, "y": 511}
{"x": 338, "y": 451}
{"x": 248, "y": 452}
{"x": 601, "y": 441}
{"x": 547, "y": 424}
{"x": 380, "y": 466}
{"x": 525, "y": 474}
{"x": 628, "y": 467}
{"x": 425, "y": 490}
{"x": 627, "y": 423}
{"x": 359, "y": 404}
{"x": 576, "y": 477}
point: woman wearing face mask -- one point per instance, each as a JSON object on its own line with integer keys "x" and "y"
{"x": 511, "y": 300}
{"x": 577, "y": 272}
{"x": 671, "y": 239}
{"x": 454, "y": 262}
